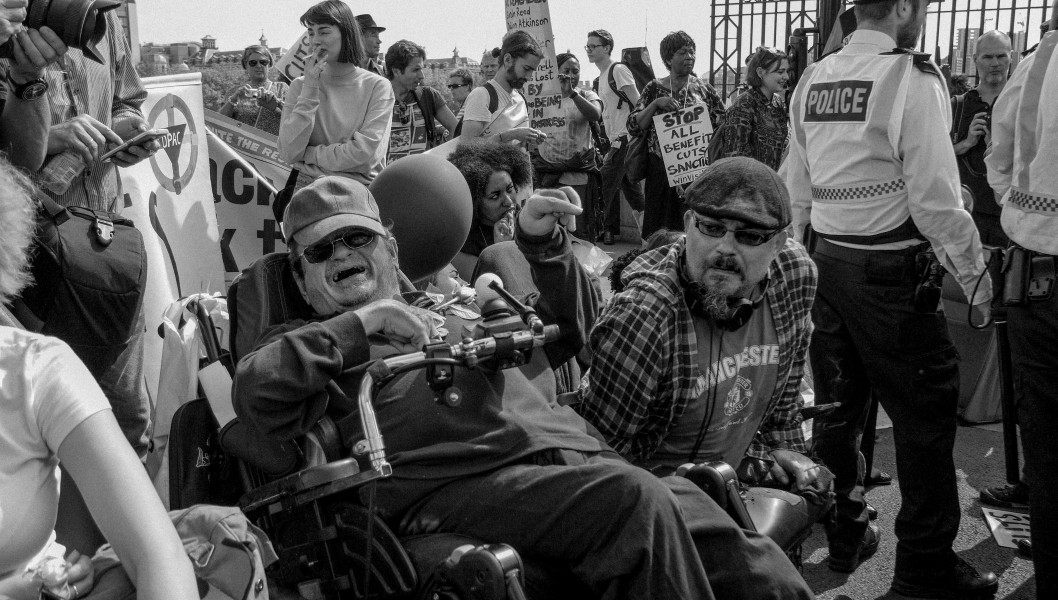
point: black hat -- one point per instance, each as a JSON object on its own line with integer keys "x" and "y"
{"x": 367, "y": 22}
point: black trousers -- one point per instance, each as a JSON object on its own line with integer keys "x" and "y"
{"x": 869, "y": 339}
{"x": 1033, "y": 332}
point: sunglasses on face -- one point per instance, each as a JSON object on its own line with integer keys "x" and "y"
{"x": 263, "y": 63}
{"x": 746, "y": 237}
{"x": 456, "y": 86}
{"x": 353, "y": 240}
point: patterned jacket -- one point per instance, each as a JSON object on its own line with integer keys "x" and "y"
{"x": 644, "y": 368}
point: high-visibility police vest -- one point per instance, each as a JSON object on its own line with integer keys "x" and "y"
{"x": 1030, "y": 208}
{"x": 848, "y": 112}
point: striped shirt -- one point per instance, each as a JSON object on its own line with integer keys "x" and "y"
{"x": 111, "y": 93}
{"x": 645, "y": 369}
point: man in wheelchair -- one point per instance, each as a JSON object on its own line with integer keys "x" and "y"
{"x": 507, "y": 464}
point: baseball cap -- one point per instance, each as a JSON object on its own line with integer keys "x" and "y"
{"x": 366, "y": 21}
{"x": 327, "y": 205}
{"x": 743, "y": 189}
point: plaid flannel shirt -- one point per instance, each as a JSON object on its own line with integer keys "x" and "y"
{"x": 644, "y": 364}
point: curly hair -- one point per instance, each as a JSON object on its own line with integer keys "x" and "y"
{"x": 661, "y": 237}
{"x": 477, "y": 160}
{"x": 400, "y": 55}
{"x": 671, "y": 44}
{"x": 17, "y": 211}
{"x": 338, "y": 14}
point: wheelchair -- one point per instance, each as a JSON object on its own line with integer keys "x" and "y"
{"x": 306, "y": 495}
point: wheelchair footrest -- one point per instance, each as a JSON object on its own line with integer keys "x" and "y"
{"x": 487, "y": 572}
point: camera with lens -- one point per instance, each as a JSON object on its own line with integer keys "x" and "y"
{"x": 78, "y": 23}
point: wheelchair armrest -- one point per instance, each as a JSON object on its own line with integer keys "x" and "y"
{"x": 818, "y": 410}
{"x": 306, "y": 486}
{"x": 718, "y": 480}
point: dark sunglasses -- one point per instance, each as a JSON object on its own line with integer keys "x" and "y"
{"x": 456, "y": 86}
{"x": 263, "y": 63}
{"x": 353, "y": 240}
{"x": 746, "y": 237}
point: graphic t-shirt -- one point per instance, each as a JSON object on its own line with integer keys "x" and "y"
{"x": 408, "y": 135}
{"x": 736, "y": 379}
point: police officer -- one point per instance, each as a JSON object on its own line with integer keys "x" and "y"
{"x": 872, "y": 170}
{"x": 1021, "y": 171}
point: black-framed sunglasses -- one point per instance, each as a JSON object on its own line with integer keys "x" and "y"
{"x": 456, "y": 86}
{"x": 262, "y": 63}
{"x": 354, "y": 240}
{"x": 746, "y": 237}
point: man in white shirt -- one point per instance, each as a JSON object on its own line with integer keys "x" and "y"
{"x": 615, "y": 108}
{"x": 871, "y": 168}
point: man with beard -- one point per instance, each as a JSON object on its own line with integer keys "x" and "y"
{"x": 495, "y": 110}
{"x": 700, "y": 356}
{"x": 871, "y": 168}
{"x": 372, "y": 44}
{"x": 971, "y": 131}
{"x": 508, "y": 464}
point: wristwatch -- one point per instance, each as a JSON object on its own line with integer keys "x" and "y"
{"x": 30, "y": 90}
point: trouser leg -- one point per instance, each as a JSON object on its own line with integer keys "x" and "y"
{"x": 912, "y": 368}
{"x": 1033, "y": 333}
{"x": 621, "y": 530}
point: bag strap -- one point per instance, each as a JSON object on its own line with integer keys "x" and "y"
{"x": 622, "y": 97}
{"x": 425, "y": 100}
{"x": 958, "y": 106}
{"x": 279, "y": 206}
{"x": 494, "y": 97}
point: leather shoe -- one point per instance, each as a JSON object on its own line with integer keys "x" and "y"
{"x": 845, "y": 560}
{"x": 607, "y": 238}
{"x": 961, "y": 581}
{"x": 872, "y": 512}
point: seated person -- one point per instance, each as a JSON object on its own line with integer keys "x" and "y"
{"x": 52, "y": 411}
{"x": 717, "y": 325}
{"x": 497, "y": 174}
{"x": 509, "y": 464}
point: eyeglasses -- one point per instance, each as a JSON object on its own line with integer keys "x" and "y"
{"x": 262, "y": 63}
{"x": 353, "y": 240}
{"x": 590, "y": 47}
{"x": 746, "y": 237}
{"x": 456, "y": 86}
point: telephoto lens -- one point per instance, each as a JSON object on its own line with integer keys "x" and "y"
{"x": 78, "y": 23}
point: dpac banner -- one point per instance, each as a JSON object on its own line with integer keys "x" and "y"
{"x": 543, "y": 93}
{"x": 169, "y": 198}
{"x": 245, "y": 171}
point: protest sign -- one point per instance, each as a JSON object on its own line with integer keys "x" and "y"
{"x": 245, "y": 171}
{"x": 1007, "y": 526}
{"x": 168, "y": 196}
{"x": 292, "y": 64}
{"x": 684, "y": 138}
{"x": 543, "y": 93}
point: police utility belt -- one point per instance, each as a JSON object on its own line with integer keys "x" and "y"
{"x": 1027, "y": 276}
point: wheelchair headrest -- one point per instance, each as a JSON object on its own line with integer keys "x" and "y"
{"x": 264, "y": 295}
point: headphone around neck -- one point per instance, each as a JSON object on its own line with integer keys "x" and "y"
{"x": 742, "y": 308}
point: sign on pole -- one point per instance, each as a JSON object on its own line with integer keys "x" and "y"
{"x": 245, "y": 171}
{"x": 292, "y": 64}
{"x": 543, "y": 93}
{"x": 684, "y": 139}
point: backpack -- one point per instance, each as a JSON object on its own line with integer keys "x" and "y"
{"x": 494, "y": 104}
{"x": 622, "y": 98}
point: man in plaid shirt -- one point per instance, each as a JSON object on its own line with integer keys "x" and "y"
{"x": 701, "y": 355}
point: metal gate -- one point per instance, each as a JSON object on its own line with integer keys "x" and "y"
{"x": 740, "y": 26}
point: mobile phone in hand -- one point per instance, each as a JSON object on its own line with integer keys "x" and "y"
{"x": 139, "y": 140}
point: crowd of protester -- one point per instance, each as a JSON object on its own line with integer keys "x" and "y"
{"x": 787, "y": 263}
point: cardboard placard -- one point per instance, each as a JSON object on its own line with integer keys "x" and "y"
{"x": 1007, "y": 526}
{"x": 684, "y": 139}
{"x": 543, "y": 93}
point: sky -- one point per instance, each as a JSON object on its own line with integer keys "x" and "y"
{"x": 438, "y": 25}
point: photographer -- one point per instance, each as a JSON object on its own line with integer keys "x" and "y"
{"x": 971, "y": 132}
{"x": 25, "y": 118}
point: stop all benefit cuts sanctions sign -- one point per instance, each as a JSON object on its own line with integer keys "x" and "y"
{"x": 684, "y": 139}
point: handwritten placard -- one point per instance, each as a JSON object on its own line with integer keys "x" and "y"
{"x": 684, "y": 138}
{"x": 1007, "y": 526}
{"x": 543, "y": 93}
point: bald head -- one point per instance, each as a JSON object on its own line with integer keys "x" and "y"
{"x": 992, "y": 41}
{"x": 992, "y": 57}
